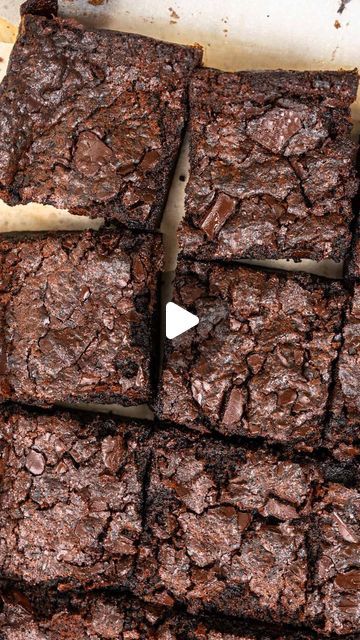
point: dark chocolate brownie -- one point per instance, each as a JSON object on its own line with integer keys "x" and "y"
{"x": 352, "y": 269}
{"x": 272, "y": 168}
{"x": 78, "y": 312}
{"x": 343, "y": 433}
{"x": 334, "y": 600}
{"x": 94, "y": 617}
{"x": 259, "y": 362}
{"x": 106, "y": 617}
{"x": 71, "y": 498}
{"x": 225, "y": 529}
{"x": 92, "y": 121}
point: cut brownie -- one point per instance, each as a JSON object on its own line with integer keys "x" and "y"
{"x": 334, "y": 600}
{"x": 106, "y": 617}
{"x": 71, "y": 498}
{"x": 92, "y": 121}
{"x": 343, "y": 431}
{"x": 272, "y": 168}
{"x": 78, "y": 313}
{"x": 353, "y": 263}
{"x": 225, "y": 529}
{"x": 93, "y": 617}
{"x": 259, "y": 362}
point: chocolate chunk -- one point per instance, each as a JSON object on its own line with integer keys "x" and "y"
{"x": 275, "y": 128}
{"x": 223, "y": 207}
{"x": 91, "y": 154}
{"x": 35, "y": 463}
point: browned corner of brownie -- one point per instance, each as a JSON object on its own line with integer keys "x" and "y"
{"x": 95, "y": 123}
{"x": 71, "y": 498}
{"x": 260, "y": 361}
{"x": 79, "y": 313}
{"x": 272, "y": 165}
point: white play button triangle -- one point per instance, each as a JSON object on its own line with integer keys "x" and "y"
{"x": 178, "y": 320}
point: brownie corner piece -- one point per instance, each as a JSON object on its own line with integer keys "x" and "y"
{"x": 343, "y": 428}
{"x": 79, "y": 316}
{"x": 71, "y": 498}
{"x": 96, "y": 124}
{"x": 272, "y": 165}
{"x": 259, "y": 363}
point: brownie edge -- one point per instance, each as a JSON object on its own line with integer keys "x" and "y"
{"x": 272, "y": 165}
{"x": 96, "y": 123}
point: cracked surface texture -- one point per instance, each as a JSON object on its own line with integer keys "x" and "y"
{"x": 272, "y": 166}
{"x": 178, "y": 519}
{"x": 225, "y": 529}
{"x": 71, "y": 499}
{"x": 353, "y": 266}
{"x": 101, "y": 617}
{"x": 335, "y": 597}
{"x": 344, "y": 426}
{"x": 97, "y": 129}
{"x": 260, "y": 361}
{"x": 78, "y": 313}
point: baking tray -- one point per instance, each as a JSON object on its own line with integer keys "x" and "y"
{"x": 235, "y": 34}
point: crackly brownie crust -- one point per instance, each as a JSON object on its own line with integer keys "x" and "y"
{"x": 78, "y": 314}
{"x": 71, "y": 498}
{"x": 343, "y": 432}
{"x": 260, "y": 361}
{"x": 210, "y": 539}
{"x": 92, "y": 121}
{"x": 334, "y": 600}
{"x": 272, "y": 165}
{"x": 247, "y": 533}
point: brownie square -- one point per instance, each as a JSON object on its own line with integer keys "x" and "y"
{"x": 334, "y": 601}
{"x": 225, "y": 529}
{"x": 71, "y": 498}
{"x": 343, "y": 432}
{"x": 259, "y": 362}
{"x": 79, "y": 311}
{"x": 272, "y": 165}
{"x": 105, "y": 617}
{"x": 96, "y": 122}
